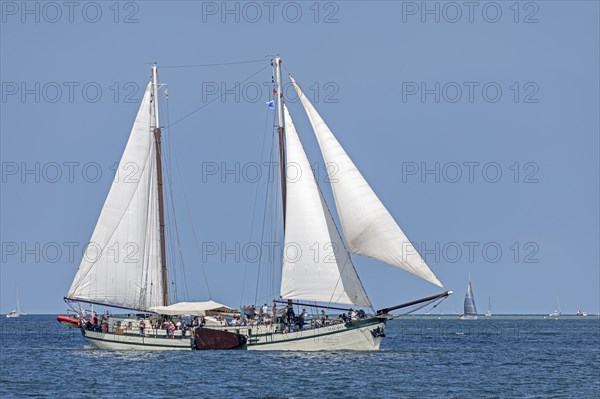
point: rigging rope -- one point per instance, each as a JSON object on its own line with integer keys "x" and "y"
{"x": 262, "y": 155}
{"x": 217, "y": 98}
{"x": 262, "y": 235}
{"x": 174, "y": 213}
{"x": 172, "y": 143}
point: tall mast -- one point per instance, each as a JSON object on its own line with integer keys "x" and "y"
{"x": 161, "y": 211}
{"x": 281, "y": 131}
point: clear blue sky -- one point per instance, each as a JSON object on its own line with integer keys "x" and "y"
{"x": 375, "y": 59}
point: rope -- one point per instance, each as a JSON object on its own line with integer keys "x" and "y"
{"x": 176, "y": 229}
{"x": 188, "y": 207}
{"x": 262, "y": 154}
{"x": 217, "y": 98}
{"x": 262, "y": 235}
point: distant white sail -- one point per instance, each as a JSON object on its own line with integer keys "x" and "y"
{"x": 369, "y": 229}
{"x": 121, "y": 266}
{"x": 470, "y": 309}
{"x": 316, "y": 265}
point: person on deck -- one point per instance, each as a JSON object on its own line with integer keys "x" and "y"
{"x": 300, "y": 321}
{"x": 171, "y": 330}
{"x": 265, "y": 311}
{"x": 142, "y": 328}
{"x": 290, "y": 315}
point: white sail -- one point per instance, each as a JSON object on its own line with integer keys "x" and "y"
{"x": 316, "y": 265}
{"x": 369, "y": 229}
{"x": 121, "y": 266}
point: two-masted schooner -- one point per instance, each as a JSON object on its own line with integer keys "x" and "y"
{"x": 133, "y": 213}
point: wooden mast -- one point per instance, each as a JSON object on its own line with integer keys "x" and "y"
{"x": 161, "y": 210}
{"x": 281, "y": 131}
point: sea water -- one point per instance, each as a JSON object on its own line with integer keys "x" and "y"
{"x": 421, "y": 357}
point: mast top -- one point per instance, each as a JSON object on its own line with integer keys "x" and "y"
{"x": 155, "y": 94}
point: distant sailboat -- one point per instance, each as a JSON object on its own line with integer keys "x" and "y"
{"x": 489, "y": 311}
{"x": 17, "y": 312}
{"x": 470, "y": 311}
{"x": 556, "y": 311}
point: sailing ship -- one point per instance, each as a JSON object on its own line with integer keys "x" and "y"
{"x": 470, "y": 310}
{"x": 17, "y": 311}
{"x": 133, "y": 213}
{"x": 489, "y": 311}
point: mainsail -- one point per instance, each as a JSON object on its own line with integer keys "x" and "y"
{"x": 470, "y": 309}
{"x": 122, "y": 264}
{"x": 369, "y": 229}
{"x": 316, "y": 265}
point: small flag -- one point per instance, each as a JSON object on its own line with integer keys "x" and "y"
{"x": 271, "y": 104}
{"x": 274, "y": 91}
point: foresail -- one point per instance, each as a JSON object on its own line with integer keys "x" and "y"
{"x": 369, "y": 229}
{"x": 470, "y": 309}
{"x": 121, "y": 266}
{"x": 316, "y": 265}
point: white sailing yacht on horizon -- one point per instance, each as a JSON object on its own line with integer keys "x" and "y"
{"x": 489, "y": 311}
{"x": 556, "y": 312}
{"x": 17, "y": 311}
{"x": 133, "y": 213}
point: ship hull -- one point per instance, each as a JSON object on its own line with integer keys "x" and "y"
{"x": 362, "y": 335}
{"x": 117, "y": 342}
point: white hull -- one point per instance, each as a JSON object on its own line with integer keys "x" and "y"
{"x": 108, "y": 341}
{"x": 339, "y": 337}
{"x": 13, "y": 315}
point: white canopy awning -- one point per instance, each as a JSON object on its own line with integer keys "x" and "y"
{"x": 194, "y": 309}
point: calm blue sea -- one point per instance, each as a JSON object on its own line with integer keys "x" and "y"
{"x": 421, "y": 357}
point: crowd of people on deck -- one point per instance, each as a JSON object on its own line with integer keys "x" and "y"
{"x": 93, "y": 323}
{"x": 287, "y": 319}
{"x": 169, "y": 325}
{"x": 250, "y": 315}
